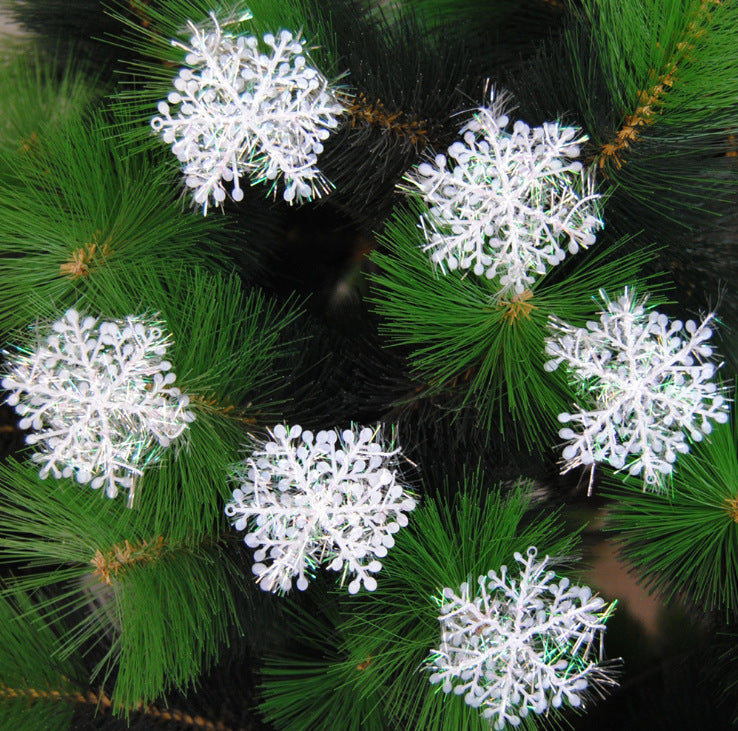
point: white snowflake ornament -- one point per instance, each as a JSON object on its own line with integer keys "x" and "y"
{"x": 99, "y": 396}
{"x": 248, "y": 107}
{"x": 508, "y": 205}
{"x": 516, "y": 644}
{"x": 646, "y": 384}
{"x": 328, "y": 498}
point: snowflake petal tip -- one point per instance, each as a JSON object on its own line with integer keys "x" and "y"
{"x": 237, "y": 111}
{"x": 99, "y": 396}
{"x": 518, "y": 643}
{"x": 330, "y": 498}
{"x": 645, "y": 384}
{"x": 503, "y": 203}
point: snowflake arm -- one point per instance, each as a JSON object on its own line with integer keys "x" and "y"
{"x": 311, "y": 499}
{"x": 100, "y": 397}
{"x": 519, "y": 644}
{"x": 239, "y": 111}
{"x": 508, "y": 205}
{"x": 646, "y": 384}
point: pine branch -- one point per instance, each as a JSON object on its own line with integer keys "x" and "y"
{"x": 456, "y": 326}
{"x": 653, "y": 98}
{"x": 104, "y": 704}
{"x": 395, "y": 122}
{"x": 686, "y": 543}
{"x": 383, "y": 641}
{"x": 166, "y": 604}
{"x": 76, "y": 210}
{"x": 670, "y": 95}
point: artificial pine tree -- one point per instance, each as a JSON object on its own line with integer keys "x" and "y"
{"x": 339, "y": 337}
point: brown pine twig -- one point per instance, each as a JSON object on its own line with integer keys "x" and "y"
{"x": 121, "y": 556}
{"x": 652, "y": 98}
{"x": 102, "y": 701}
{"x": 82, "y": 261}
{"x": 376, "y": 114}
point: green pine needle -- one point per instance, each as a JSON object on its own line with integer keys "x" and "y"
{"x": 686, "y": 542}
{"x": 304, "y": 688}
{"x": 686, "y": 44}
{"x": 164, "y": 606}
{"x": 176, "y": 612}
{"x": 668, "y": 69}
{"x": 77, "y": 209}
{"x": 35, "y": 690}
{"x": 151, "y": 32}
{"x": 35, "y": 97}
{"x": 498, "y": 29}
{"x": 458, "y": 334}
{"x": 385, "y": 637}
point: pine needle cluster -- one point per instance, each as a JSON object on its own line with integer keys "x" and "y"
{"x": 300, "y": 125}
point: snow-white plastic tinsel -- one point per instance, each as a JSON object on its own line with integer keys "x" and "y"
{"x": 507, "y": 204}
{"x": 329, "y": 498}
{"x": 99, "y": 396}
{"x": 248, "y": 107}
{"x": 515, "y": 644}
{"x": 646, "y": 384}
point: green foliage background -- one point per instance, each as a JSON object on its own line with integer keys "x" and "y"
{"x": 329, "y": 314}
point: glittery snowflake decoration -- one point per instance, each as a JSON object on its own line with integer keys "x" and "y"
{"x": 516, "y": 644}
{"x": 99, "y": 396}
{"x": 507, "y": 204}
{"x": 245, "y": 107}
{"x": 645, "y": 384}
{"x": 328, "y": 498}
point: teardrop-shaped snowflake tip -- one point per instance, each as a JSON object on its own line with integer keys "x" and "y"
{"x": 507, "y": 205}
{"x": 519, "y": 644}
{"x": 328, "y": 498}
{"x": 100, "y": 397}
{"x": 645, "y": 383}
{"x": 238, "y": 110}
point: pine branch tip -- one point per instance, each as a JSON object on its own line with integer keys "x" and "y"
{"x": 119, "y": 557}
{"x": 518, "y": 307}
{"x": 80, "y": 262}
{"x": 732, "y": 508}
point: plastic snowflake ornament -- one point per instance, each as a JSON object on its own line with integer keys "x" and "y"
{"x": 328, "y": 498}
{"x": 99, "y": 396}
{"x": 245, "y": 107}
{"x": 516, "y": 644}
{"x": 507, "y": 204}
{"x": 646, "y": 384}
